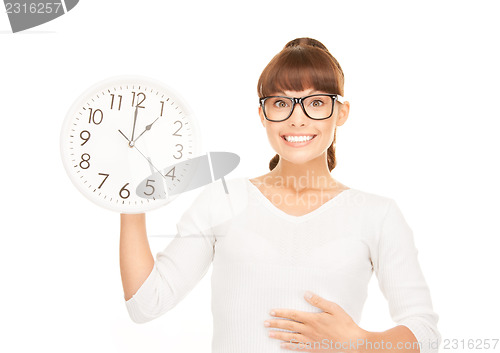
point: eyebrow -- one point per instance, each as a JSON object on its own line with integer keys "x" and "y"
{"x": 311, "y": 92}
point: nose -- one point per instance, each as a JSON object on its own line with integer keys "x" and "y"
{"x": 298, "y": 114}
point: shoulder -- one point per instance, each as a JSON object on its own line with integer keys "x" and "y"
{"x": 369, "y": 200}
{"x": 223, "y": 188}
{"x": 212, "y": 205}
{"x": 384, "y": 212}
{"x": 220, "y": 186}
{"x": 368, "y": 206}
{"x": 222, "y": 198}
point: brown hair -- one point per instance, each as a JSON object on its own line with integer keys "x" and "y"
{"x": 303, "y": 63}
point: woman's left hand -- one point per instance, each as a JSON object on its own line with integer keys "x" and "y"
{"x": 332, "y": 330}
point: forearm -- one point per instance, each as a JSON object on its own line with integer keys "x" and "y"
{"x": 397, "y": 339}
{"x": 136, "y": 259}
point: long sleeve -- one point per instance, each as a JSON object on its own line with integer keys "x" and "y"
{"x": 402, "y": 282}
{"x": 180, "y": 266}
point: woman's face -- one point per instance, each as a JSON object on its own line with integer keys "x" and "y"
{"x": 299, "y": 124}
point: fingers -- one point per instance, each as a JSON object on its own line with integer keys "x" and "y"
{"x": 289, "y": 337}
{"x": 286, "y": 325}
{"x": 295, "y": 315}
{"x": 298, "y": 330}
{"x": 294, "y": 346}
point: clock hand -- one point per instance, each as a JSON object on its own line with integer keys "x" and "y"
{"x": 131, "y": 144}
{"x": 148, "y": 127}
{"x": 135, "y": 118}
{"x": 126, "y": 138}
{"x": 149, "y": 161}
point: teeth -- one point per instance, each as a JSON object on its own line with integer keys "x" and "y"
{"x": 298, "y": 138}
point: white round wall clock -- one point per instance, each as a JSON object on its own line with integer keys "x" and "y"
{"x": 123, "y": 130}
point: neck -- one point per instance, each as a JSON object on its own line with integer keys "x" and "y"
{"x": 313, "y": 174}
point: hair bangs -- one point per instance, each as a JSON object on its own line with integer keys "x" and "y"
{"x": 298, "y": 69}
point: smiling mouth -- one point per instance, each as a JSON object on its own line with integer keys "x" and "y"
{"x": 298, "y": 139}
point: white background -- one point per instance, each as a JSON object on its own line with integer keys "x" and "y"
{"x": 423, "y": 82}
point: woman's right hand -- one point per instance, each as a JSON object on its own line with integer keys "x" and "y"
{"x": 136, "y": 259}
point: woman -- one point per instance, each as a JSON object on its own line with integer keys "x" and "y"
{"x": 277, "y": 237}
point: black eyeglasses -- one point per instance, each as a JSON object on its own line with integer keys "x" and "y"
{"x": 315, "y": 106}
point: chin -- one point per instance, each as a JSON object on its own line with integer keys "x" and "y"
{"x": 298, "y": 157}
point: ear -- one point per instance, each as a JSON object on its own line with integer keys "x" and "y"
{"x": 343, "y": 113}
{"x": 261, "y": 114}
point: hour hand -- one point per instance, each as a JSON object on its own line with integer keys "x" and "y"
{"x": 148, "y": 127}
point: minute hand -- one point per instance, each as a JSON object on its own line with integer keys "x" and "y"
{"x": 148, "y": 159}
{"x": 135, "y": 119}
{"x": 148, "y": 127}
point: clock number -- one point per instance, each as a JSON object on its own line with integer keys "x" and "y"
{"x": 85, "y": 161}
{"x": 107, "y": 175}
{"x": 92, "y": 116}
{"x": 151, "y": 186}
{"x": 139, "y": 103}
{"x": 84, "y": 138}
{"x": 122, "y": 190}
{"x": 175, "y": 133}
{"x": 173, "y": 173}
{"x": 113, "y": 100}
{"x": 162, "y": 104}
{"x": 180, "y": 151}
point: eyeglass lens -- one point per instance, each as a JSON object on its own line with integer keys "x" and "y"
{"x": 317, "y": 107}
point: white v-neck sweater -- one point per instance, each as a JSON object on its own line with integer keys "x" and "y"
{"x": 264, "y": 258}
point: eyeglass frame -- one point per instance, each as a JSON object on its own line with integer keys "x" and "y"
{"x": 300, "y": 101}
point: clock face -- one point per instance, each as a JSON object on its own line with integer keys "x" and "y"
{"x": 122, "y": 131}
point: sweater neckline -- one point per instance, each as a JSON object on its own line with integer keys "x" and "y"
{"x": 279, "y": 212}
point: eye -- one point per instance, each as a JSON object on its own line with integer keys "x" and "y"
{"x": 317, "y": 103}
{"x": 280, "y": 104}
